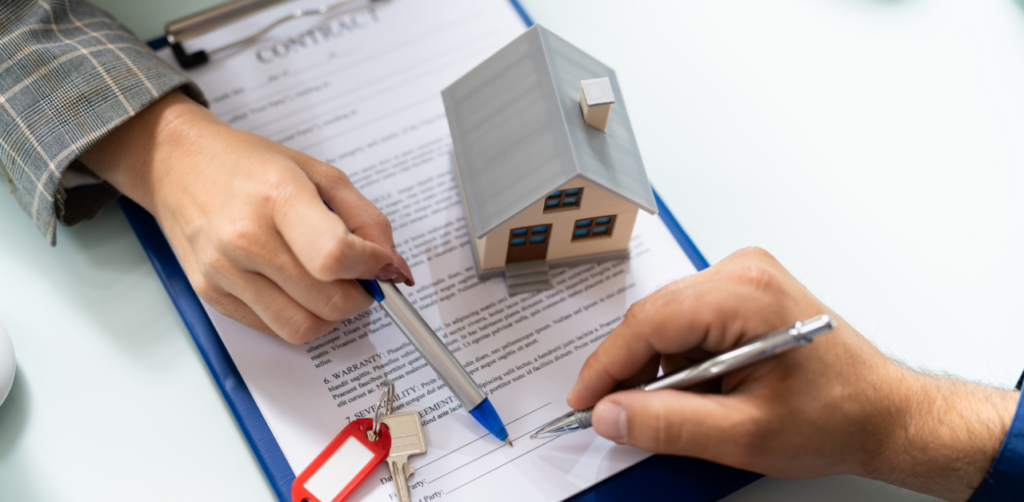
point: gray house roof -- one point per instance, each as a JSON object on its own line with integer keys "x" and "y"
{"x": 518, "y": 132}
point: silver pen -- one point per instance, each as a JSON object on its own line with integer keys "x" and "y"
{"x": 758, "y": 349}
{"x": 434, "y": 351}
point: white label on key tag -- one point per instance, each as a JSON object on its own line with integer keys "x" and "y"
{"x": 339, "y": 470}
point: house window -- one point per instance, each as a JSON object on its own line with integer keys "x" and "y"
{"x": 568, "y": 198}
{"x": 593, "y": 227}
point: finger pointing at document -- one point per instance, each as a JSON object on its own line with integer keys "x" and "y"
{"x": 255, "y": 238}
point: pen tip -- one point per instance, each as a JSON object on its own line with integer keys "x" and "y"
{"x": 509, "y": 441}
{"x": 533, "y": 436}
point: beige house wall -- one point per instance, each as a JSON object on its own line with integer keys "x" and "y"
{"x": 596, "y": 202}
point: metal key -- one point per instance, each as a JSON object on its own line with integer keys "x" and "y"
{"x": 406, "y": 439}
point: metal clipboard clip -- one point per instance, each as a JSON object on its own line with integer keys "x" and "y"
{"x": 206, "y": 21}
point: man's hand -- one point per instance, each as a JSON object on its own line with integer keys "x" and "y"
{"x": 838, "y": 406}
{"x": 246, "y": 218}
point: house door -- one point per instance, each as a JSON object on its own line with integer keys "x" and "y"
{"x": 528, "y": 243}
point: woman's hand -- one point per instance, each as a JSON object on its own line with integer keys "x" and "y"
{"x": 246, "y": 219}
{"x": 837, "y": 406}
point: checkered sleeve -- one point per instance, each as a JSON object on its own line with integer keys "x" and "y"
{"x": 69, "y": 74}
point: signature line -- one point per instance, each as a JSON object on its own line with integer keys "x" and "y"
{"x": 479, "y": 438}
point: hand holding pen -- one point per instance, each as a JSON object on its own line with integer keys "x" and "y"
{"x": 245, "y": 218}
{"x": 759, "y": 349}
{"x": 812, "y": 412}
{"x": 836, "y": 406}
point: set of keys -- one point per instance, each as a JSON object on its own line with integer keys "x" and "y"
{"x": 406, "y": 440}
{"x": 359, "y": 448}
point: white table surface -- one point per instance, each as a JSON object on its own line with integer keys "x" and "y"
{"x": 874, "y": 146}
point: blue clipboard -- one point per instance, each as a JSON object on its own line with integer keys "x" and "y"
{"x": 662, "y": 477}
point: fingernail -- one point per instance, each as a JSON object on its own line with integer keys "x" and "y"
{"x": 610, "y": 421}
{"x": 571, "y": 392}
{"x": 387, "y": 272}
{"x": 404, "y": 268}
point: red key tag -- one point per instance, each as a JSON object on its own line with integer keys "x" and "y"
{"x": 346, "y": 461}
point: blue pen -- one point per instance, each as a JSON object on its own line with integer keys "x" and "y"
{"x": 436, "y": 353}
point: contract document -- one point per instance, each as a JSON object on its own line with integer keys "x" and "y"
{"x": 361, "y": 90}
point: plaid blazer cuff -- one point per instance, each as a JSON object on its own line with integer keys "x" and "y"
{"x": 69, "y": 74}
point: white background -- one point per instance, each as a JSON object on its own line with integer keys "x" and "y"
{"x": 874, "y": 146}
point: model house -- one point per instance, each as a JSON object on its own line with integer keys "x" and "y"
{"x": 546, "y": 160}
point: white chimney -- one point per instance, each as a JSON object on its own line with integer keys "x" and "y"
{"x": 596, "y": 100}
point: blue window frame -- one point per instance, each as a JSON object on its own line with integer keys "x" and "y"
{"x": 539, "y": 230}
{"x": 538, "y": 239}
{"x": 520, "y": 231}
{"x": 517, "y": 242}
{"x": 569, "y": 198}
{"x": 595, "y": 227}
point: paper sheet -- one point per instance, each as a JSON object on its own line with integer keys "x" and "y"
{"x": 361, "y": 91}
